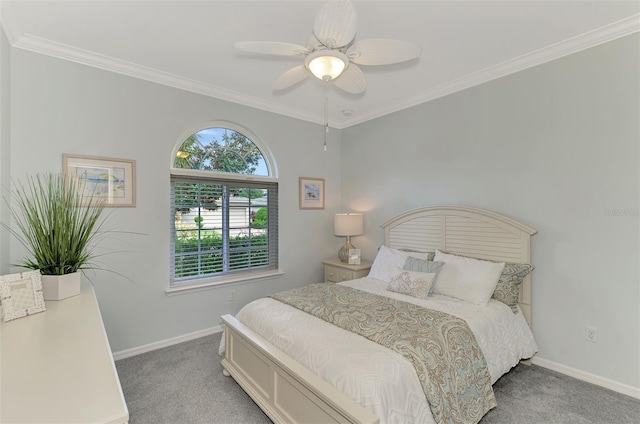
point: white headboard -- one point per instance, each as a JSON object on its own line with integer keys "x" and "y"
{"x": 465, "y": 231}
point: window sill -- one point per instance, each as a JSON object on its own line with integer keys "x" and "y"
{"x": 204, "y": 284}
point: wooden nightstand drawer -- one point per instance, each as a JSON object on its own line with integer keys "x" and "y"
{"x": 331, "y": 274}
{"x": 337, "y": 272}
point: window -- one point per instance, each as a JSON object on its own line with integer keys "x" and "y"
{"x": 224, "y": 204}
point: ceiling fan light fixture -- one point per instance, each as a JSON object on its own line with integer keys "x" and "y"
{"x": 326, "y": 65}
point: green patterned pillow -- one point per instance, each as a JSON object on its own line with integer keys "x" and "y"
{"x": 508, "y": 289}
{"x": 422, "y": 265}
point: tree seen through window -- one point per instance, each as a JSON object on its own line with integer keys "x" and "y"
{"x": 222, "y": 150}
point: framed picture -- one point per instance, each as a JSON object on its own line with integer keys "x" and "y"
{"x": 21, "y": 295}
{"x": 354, "y": 256}
{"x": 311, "y": 193}
{"x": 111, "y": 178}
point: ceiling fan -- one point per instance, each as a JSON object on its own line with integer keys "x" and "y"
{"x": 331, "y": 54}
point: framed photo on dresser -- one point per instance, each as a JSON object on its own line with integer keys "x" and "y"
{"x": 21, "y": 294}
{"x": 354, "y": 256}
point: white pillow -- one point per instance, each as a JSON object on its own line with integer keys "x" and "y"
{"x": 388, "y": 259}
{"x": 469, "y": 279}
{"x": 412, "y": 283}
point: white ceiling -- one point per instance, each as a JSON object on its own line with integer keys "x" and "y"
{"x": 188, "y": 44}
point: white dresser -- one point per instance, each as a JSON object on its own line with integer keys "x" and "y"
{"x": 56, "y": 366}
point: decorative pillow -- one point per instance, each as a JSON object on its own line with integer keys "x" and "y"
{"x": 429, "y": 255}
{"x": 508, "y": 288}
{"x": 469, "y": 279}
{"x": 422, "y": 265}
{"x": 412, "y": 283}
{"x": 387, "y": 260}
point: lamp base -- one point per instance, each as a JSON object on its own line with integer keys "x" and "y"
{"x": 343, "y": 253}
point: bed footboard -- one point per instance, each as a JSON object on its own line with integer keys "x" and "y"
{"x": 284, "y": 389}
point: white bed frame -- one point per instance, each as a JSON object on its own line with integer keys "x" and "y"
{"x": 290, "y": 393}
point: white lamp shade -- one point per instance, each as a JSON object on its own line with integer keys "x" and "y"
{"x": 348, "y": 224}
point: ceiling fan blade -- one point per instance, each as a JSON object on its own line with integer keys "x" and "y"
{"x": 378, "y": 51}
{"x": 291, "y": 77}
{"x": 271, "y": 47}
{"x": 352, "y": 80}
{"x": 335, "y": 24}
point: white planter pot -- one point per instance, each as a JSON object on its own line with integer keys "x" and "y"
{"x": 58, "y": 287}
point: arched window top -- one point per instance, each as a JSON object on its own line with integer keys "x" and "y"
{"x": 223, "y": 147}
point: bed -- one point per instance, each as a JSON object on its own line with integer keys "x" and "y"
{"x": 298, "y": 368}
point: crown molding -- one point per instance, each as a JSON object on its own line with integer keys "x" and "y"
{"x": 62, "y": 51}
{"x": 25, "y": 41}
{"x": 567, "y": 47}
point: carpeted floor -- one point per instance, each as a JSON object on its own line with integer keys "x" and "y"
{"x": 184, "y": 384}
{"x": 536, "y": 395}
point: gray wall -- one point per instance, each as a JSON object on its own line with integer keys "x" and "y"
{"x": 555, "y": 147}
{"x": 62, "y": 107}
{"x": 5, "y": 132}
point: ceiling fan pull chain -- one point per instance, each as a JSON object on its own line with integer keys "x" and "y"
{"x": 326, "y": 112}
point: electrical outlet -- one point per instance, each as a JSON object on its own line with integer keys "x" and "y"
{"x": 592, "y": 334}
{"x": 232, "y": 295}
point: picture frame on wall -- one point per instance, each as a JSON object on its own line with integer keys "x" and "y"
{"x": 311, "y": 193}
{"x": 21, "y": 295}
{"x": 111, "y": 178}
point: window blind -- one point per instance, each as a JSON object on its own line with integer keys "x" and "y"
{"x": 222, "y": 227}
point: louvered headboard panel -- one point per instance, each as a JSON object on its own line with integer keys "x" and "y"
{"x": 465, "y": 231}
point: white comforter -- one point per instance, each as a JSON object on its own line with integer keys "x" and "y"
{"x": 376, "y": 377}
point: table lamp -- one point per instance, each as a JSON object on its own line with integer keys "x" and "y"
{"x": 347, "y": 225}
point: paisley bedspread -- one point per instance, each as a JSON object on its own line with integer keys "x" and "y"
{"x": 448, "y": 361}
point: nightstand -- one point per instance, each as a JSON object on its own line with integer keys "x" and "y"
{"x": 337, "y": 272}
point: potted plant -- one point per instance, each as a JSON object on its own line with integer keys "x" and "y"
{"x": 59, "y": 225}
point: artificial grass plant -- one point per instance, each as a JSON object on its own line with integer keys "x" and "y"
{"x": 57, "y": 222}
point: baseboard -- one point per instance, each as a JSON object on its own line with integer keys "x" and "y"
{"x": 634, "y": 392}
{"x": 165, "y": 343}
